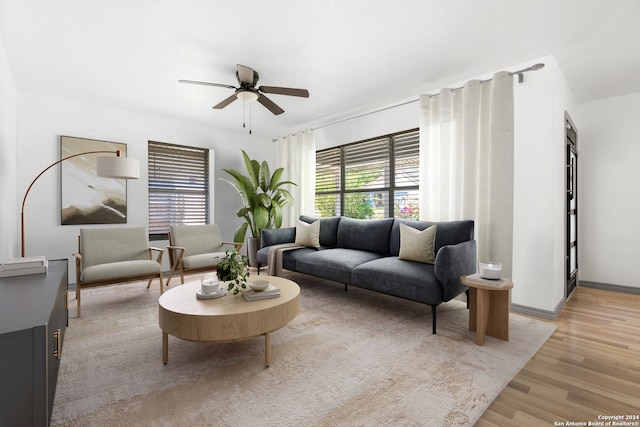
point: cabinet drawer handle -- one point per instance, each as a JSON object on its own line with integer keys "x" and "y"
{"x": 57, "y": 353}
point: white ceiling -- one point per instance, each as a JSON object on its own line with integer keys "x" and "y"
{"x": 350, "y": 54}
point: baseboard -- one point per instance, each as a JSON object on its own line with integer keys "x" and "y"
{"x": 537, "y": 312}
{"x": 609, "y": 287}
{"x": 553, "y": 315}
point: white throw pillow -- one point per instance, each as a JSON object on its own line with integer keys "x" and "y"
{"x": 308, "y": 234}
{"x": 416, "y": 245}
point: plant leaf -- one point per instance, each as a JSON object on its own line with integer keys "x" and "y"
{"x": 275, "y": 179}
{"x": 286, "y": 195}
{"x": 277, "y": 214}
{"x": 240, "y": 233}
{"x": 248, "y": 164}
{"x": 261, "y": 217}
{"x": 264, "y": 199}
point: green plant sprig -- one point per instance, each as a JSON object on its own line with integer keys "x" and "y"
{"x": 234, "y": 265}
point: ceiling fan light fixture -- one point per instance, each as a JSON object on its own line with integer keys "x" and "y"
{"x": 246, "y": 95}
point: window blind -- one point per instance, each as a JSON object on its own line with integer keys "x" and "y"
{"x": 375, "y": 178}
{"x": 178, "y": 187}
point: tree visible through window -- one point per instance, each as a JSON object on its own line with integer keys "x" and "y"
{"x": 375, "y": 178}
{"x": 178, "y": 187}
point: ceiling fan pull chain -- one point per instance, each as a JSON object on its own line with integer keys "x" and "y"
{"x": 244, "y": 113}
{"x": 250, "y": 119}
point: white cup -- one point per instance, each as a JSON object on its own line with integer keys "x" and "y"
{"x": 210, "y": 286}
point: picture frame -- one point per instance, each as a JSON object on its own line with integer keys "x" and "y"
{"x": 87, "y": 198}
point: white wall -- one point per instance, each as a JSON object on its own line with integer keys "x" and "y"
{"x": 41, "y": 119}
{"x": 608, "y": 196}
{"x": 540, "y": 104}
{"x": 369, "y": 126}
{"x": 8, "y": 169}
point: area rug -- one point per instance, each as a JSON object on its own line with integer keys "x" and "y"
{"x": 353, "y": 358}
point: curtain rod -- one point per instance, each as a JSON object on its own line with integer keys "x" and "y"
{"x": 518, "y": 73}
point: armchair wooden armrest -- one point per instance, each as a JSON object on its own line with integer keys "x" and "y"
{"x": 237, "y": 245}
{"x": 160, "y": 252}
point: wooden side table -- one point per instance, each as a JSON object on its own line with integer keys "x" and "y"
{"x": 488, "y": 307}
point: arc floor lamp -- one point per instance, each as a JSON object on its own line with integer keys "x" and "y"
{"x": 107, "y": 167}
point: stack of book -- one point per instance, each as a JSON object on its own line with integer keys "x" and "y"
{"x": 23, "y": 266}
{"x": 270, "y": 292}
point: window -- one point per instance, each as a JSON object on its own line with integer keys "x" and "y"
{"x": 178, "y": 187}
{"x": 375, "y": 178}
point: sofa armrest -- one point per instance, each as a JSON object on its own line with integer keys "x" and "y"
{"x": 452, "y": 262}
{"x": 277, "y": 236}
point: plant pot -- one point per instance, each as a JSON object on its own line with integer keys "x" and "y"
{"x": 253, "y": 245}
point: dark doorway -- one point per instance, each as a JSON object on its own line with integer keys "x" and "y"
{"x": 571, "y": 207}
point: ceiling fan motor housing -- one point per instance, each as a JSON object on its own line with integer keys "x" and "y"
{"x": 256, "y": 77}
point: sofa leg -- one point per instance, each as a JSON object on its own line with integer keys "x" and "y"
{"x": 467, "y": 292}
{"x": 433, "y": 316}
{"x": 345, "y": 288}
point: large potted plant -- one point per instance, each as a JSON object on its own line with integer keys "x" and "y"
{"x": 263, "y": 197}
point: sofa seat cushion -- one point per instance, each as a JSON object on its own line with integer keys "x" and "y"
{"x": 289, "y": 258}
{"x": 198, "y": 261}
{"x": 405, "y": 279}
{"x": 120, "y": 269}
{"x": 334, "y": 264}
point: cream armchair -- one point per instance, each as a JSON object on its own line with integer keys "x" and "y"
{"x": 195, "y": 248}
{"x": 115, "y": 255}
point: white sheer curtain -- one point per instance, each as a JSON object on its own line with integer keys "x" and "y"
{"x": 297, "y": 155}
{"x": 466, "y": 162}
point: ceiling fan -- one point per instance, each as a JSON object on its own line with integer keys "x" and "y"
{"x": 247, "y": 79}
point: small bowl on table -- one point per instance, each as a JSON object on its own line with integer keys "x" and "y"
{"x": 259, "y": 285}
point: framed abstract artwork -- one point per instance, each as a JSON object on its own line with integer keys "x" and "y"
{"x": 87, "y": 198}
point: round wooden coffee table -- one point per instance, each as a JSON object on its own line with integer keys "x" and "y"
{"x": 226, "y": 319}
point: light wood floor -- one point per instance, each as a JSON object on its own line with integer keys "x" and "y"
{"x": 589, "y": 367}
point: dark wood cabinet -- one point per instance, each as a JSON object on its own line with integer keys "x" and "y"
{"x": 33, "y": 319}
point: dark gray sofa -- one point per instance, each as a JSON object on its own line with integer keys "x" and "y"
{"x": 364, "y": 253}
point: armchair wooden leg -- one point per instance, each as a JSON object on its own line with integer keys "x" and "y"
{"x": 176, "y": 266}
{"x": 78, "y": 299}
{"x": 171, "y": 271}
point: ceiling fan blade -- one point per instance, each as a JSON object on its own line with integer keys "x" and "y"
{"x": 270, "y": 105}
{"x": 225, "y": 102}
{"x": 284, "y": 91}
{"x": 193, "y": 82}
{"x": 246, "y": 75}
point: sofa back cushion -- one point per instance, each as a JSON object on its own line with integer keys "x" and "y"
{"x": 197, "y": 239}
{"x": 447, "y": 233}
{"x": 328, "y": 229}
{"x": 105, "y": 245}
{"x": 371, "y": 235}
{"x": 277, "y": 236}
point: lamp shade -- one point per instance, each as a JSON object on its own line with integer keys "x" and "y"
{"x": 246, "y": 95}
{"x": 118, "y": 167}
